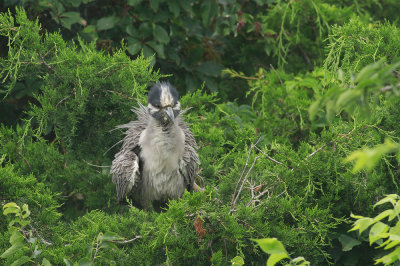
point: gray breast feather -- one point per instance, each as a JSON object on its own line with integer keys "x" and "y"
{"x": 125, "y": 166}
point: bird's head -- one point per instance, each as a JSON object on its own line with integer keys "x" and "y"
{"x": 163, "y": 103}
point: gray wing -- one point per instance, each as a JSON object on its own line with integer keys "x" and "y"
{"x": 125, "y": 166}
{"x": 188, "y": 166}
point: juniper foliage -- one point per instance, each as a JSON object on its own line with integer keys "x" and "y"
{"x": 296, "y": 185}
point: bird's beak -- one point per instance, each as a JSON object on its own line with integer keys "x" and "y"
{"x": 170, "y": 113}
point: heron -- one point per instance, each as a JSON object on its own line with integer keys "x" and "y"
{"x": 158, "y": 159}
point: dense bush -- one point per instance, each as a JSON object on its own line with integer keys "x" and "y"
{"x": 286, "y": 139}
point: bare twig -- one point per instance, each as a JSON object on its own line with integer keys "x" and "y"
{"x": 316, "y": 151}
{"x": 276, "y": 72}
{"x": 388, "y": 88}
{"x": 241, "y": 187}
{"x": 122, "y": 95}
{"x": 25, "y": 160}
{"x": 244, "y": 168}
{"x": 10, "y": 28}
{"x": 308, "y": 61}
{"x": 44, "y": 241}
{"x": 63, "y": 99}
{"x": 125, "y": 241}
{"x": 269, "y": 157}
{"x": 98, "y": 166}
{"x": 45, "y": 63}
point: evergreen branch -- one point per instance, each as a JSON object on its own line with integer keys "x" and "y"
{"x": 125, "y": 241}
{"x": 276, "y": 73}
{"x": 389, "y": 88}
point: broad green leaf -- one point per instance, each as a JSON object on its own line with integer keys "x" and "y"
{"x": 20, "y": 261}
{"x": 14, "y": 248}
{"x": 389, "y": 198}
{"x": 10, "y": 204}
{"x": 158, "y": 48}
{"x": 300, "y": 261}
{"x": 210, "y": 68}
{"x": 313, "y": 109}
{"x": 69, "y": 18}
{"x": 147, "y": 51}
{"x": 276, "y": 257}
{"x": 110, "y": 236}
{"x": 36, "y": 253}
{"x": 16, "y": 237}
{"x": 390, "y": 258}
{"x": 45, "y": 262}
{"x": 132, "y": 31}
{"x": 391, "y": 244}
{"x": 356, "y": 216}
{"x": 154, "y": 4}
{"x": 376, "y": 232}
{"x": 67, "y": 262}
{"x": 348, "y": 242}
{"x": 173, "y": 6}
{"x": 237, "y": 261}
{"x": 108, "y": 245}
{"x": 26, "y": 211}
{"x": 362, "y": 224}
{"x": 106, "y": 23}
{"x": 11, "y": 210}
{"x": 85, "y": 262}
{"x": 383, "y": 215}
{"x": 134, "y": 46}
{"x": 348, "y": 97}
{"x": 394, "y": 233}
{"x": 186, "y": 5}
{"x": 160, "y": 34}
{"x": 271, "y": 245}
{"x": 133, "y": 2}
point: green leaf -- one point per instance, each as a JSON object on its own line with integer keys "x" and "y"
{"x": 348, "y": 242}
{"x": 390, "y": 258}
{"x": 237, "y": 261}
{"x": 275, "y": 258}
{"x": 11, "y": 210}
{"x": 20, "y": 261}
{"x": 383, "y": 215}
{"x": 85, "y": 262}
{"x": 106, "y": 23}
{"x": 108, "y": 245}
{"x": 154, "y": 4}
{"x": 389, "y": 198}
{"x": 10, "y": 204}
{"x": 377, "y": 231}
{"x": 313, "y": 109}
{"x": 173, "y": 6}
{"x": 132, "y": 31}
{"x": 45, "y": 262}
{"x": 210, "y": 68}
{"x": 362, "y": 224}
{"x": 271, "y": 245}
{"x": 16, "y": 237}
{"x": 348, "y": 97}
{"x": 25, "y": 211}
{"x": 134, "y": 46}
{"x": 133, "y": 2}
{"x": 14, "y": 248}
{"x": 67, "y": 262}
{"x": 110, "y": 236}
{"x": 69, "y": 18}
{"x": 147, "y": 51}
{"x": 160, "y": 34}
{"x": 158, "y": 48}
